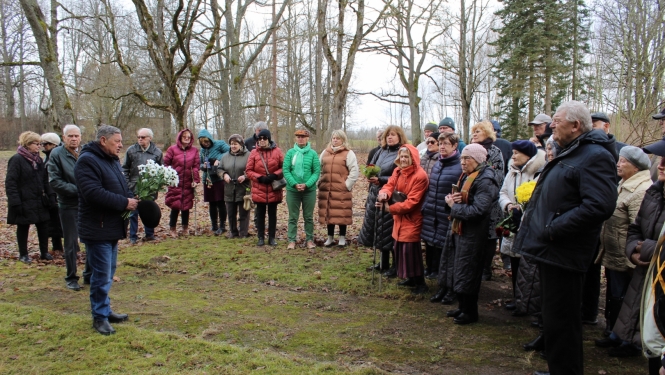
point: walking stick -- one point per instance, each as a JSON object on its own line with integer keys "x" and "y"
{"x": 383, "y": 207}
{"x": 376, "y": 219}
{"x": 196, "y": 216}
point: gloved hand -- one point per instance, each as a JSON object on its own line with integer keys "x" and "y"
{"x": 273, "y": 177}
{"x": 264, "y": 180}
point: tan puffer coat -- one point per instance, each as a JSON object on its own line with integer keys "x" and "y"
{"x": 339, "y": 172}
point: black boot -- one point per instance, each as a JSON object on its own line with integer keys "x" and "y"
{"x": 459, "y": 310}
{"x": 449, "y": 298}
{"x": 261, "y": 241}
{"x": 537, "y": 344}
{"x": 391, "y": 273}
{"x": 421, "y": 286}
{"x": 407, "y": 282}
{"x": 438, "y": 296}
{"x": 271, "y": 241}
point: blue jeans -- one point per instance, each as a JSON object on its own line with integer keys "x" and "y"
{"x": 134, "y": 226}
{"x": 103, "y": 256}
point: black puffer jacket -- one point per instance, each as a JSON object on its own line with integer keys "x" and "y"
{"x": 461, "y": 263}
{"x": 24, "y": 187}
{"x": 103, "y": 194}
{"x": 646, "y": 228}
{"x": 444, "y": 174}
{"x": 385, "y": 159}
{"x": 575, "y": 194}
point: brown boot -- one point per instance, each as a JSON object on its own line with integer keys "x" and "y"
{"x": 173, "y": 232}
{"x": 185, "y": 230}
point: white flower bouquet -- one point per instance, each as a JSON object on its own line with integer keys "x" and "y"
{"x": 153, "y": 178}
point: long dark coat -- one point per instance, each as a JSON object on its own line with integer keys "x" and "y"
{"x": 54, "y": 224}
{"x": 444, "y": 174}
{"x": 462, "y": 267}
{"x": 24, "y": 187}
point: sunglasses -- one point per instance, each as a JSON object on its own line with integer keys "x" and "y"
{"x": 431, "y": 142}
{"x": 142, "y": 137}
{"x": 301, "y": 136}
{"x": 46, "y": 143}
{"x": 263, "y": 138}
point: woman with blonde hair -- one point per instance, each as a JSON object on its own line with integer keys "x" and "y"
{"x": 339, "y": 172}
{"x": 29, "y": 195}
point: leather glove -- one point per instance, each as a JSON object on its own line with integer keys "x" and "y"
{"x": 264, "y": 180}
{"x": 273, "y": 177}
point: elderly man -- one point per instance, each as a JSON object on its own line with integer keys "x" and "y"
{"x": 447, "y": 125}
{"x": 250, "y": 143}
{"x": 139, "y": 154}
{"x": 541, "y": 129}
{"x": 575, "y": 194}
{"x": 373, "y": 151}
{"x": 430, "y": 128}
{"x": 103, "y": 198}
{"x": 61, "y": 178}
{"x": 601, "y": 121}
{"x": 655, "y": 159}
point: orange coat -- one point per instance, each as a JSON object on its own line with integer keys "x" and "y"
{"x": 335, "y": 198}
{"x": 412, "y": 181}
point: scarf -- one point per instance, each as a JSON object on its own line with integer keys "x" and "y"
{"x": 487, "y": 143}
{"x": 336, "y": 148}
{"x": 466, "y": 187}
{"x": 430, "y": 153}
{"x": 34, "y": 159}
{"x": 298, "y": 160}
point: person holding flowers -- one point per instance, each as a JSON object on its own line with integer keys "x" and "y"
{"x": 339, "y": 172}
{"x": 523, "y": 166}
{"x": 183, "y": 157}
{"x": 301, "y": 171}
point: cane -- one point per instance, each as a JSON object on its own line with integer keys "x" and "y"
{"x": 196, "y": 216}
{"x": 376, "y": 219}
{"x": 383, "y": 211}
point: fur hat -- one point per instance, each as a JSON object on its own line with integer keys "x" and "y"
{"x": 475, "y": 151}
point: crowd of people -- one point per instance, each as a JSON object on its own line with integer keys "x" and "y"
{"x": 557, "y": 207}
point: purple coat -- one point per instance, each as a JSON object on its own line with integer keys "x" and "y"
{"x": 185, "y": 160}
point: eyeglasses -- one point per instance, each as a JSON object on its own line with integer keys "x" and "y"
{"x": 143, "y": 137}
{"x": 431, "y": 142}
{"x": 263, "y": 138}
{"x": 301, "y": 136}
{"x": 46, "y": 143}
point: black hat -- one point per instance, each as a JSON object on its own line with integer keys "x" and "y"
{"x": 264, "y": 133}
{"x": 600, "y": 116}
{"x": 657, "y": 148}
{"x": 525, "y": 147}
{"x": 659, "y": 115}
{"x": 149, "y": 213}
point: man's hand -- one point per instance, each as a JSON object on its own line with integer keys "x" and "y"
{"x": 132, "y": 204}
{"x": 635, "y": 259}
{"x": 638, "y": 248}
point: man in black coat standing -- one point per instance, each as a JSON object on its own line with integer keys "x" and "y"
{"x": 103, "y": 198}
{"x": 575, "y": 194}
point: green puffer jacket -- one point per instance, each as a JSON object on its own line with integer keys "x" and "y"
{"x": 311, "y": 167}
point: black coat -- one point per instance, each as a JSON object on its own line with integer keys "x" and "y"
{"x": 103, "y": 194}
{"x": 506, "y": 151}
{"x": 462, "y": 262}
{"x": 444, "y": 174}
{"x": 24, "y": 187}
{"x": 575, "y": 194}
{"x": 54, "y": 224}
{"x": 385, "y": 159}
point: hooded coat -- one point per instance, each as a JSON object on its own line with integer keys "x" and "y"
{"x": 185, "y": 161}
{"x": 234, "y": 165}
{"x": 384, "y": 159}
{"x": 575, "y": 194}
{"x": 407, "y": 215}
{"x": 462, "y": 267}
{"x": 339, "y": 172}
{"x": 274, "y": 158}
{"x": 216, "y": 151}
{"x": 444, "y": 174}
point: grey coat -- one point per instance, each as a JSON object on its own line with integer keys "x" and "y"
{"x": 134, "y": 157}
{"x": 60, "y": 168}
{"x": 234, "y": 165}
{"x": 461, "y": 268}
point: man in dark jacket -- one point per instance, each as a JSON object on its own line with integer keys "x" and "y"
{"x": 575, "y": 193}
{"x": 250, "y": 143}
{"x": 61, "y": 178}
{"x": 103, "y": 199}
{"x": 139, "y": 154}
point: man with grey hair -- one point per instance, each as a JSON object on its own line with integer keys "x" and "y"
{"x": 139, "y": 154}
{"x": 61, "y": 178}
{"x": 103, "y": 199}
{"x": 373, "y": 151}
{"x": 575, "y": 194}
{"x": 250, "y": 143}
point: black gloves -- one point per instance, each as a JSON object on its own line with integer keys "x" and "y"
{"x": 273, "y": 177}
{"x": 264, "y": 179}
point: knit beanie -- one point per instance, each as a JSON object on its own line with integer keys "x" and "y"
{"x": 264, "y": 133}
{"x": 636, "y": 157}
{"x": 238, "y": 139}
{"x": 51, "y": 138}
{"x": 475, "y": 151}
{"x": 435, "y": 135}
{"x": 525, "y": 147}
{"x": 447, "y": 122}
{"x": 431, "y": 126}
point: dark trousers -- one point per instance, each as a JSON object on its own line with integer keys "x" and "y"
{"x": 654, "y": 366}
{"x": 261, "y": 209}
{"x": 235, "y": 209}
{"x": 217, "y": 212}
{"x": 68, "y": 218}
{"x": 331, "y": 230}
{"x": 432, "y": 258}
{"x": 514, "y": 266}
{"x": 490, "y": 251}
{"x": 468, "y": 303}
{"x": 173, "y": 217}
{"x": 617, "y": 286}
{"x": 22, "y": 231}
{"x": 562, "y": 318}
{"x": 591, "y": 292}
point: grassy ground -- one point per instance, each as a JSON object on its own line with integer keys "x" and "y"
{"x": 210, "y": 305}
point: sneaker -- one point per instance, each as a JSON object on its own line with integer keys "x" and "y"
{"x": 133, "y": 241}
{"x": 149, "y": 238}
{"x": 73, "y": 285}
{"x": 311, "y": 245}
{"x": 292, "y": 245}
{"x": 46, "y": 256}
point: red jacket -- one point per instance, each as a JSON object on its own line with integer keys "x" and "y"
{"x": 185, "y": 160}
{"x": 274, "y": 158}
{"x": 412, "y": 181}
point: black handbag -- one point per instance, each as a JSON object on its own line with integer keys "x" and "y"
{"x": 397, "y": 197}
{"x": 277, "y": 184}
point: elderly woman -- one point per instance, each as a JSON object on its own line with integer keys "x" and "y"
{"x": 525, "y": 163}
{"x": 49, "y": 142}
{"x": 378, "y": 219}
{"x": 301, "y": 171}
{"x": 183, "y": 157}
{"x": 339, "y": 172}
{"x": 232, "y": 170}
{"x": 444, "y": 175}
{"x": 410, "y": 181}
{"x": 430, "y": 156}
{"x": 470, "y": 210}
{"x": 483, "y": 134}
{"x": 29, "y": 195}
{"x": 263, "y": 167}
{"x": 210, "y": 155}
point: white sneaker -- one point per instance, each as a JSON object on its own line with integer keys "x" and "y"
{"x": 329, "y": 241}
{"x": 342, "y": 242}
